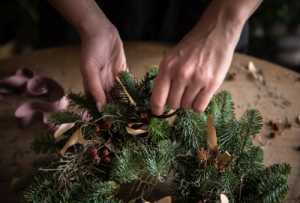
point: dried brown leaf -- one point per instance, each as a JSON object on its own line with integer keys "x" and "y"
{"x": 76, "y": 137}
{"x": 212, "y": 146}
{"x": 224, "y": 159}
{"x": 143, "y": 129}
{"x": 63, "y": 128}
{"x": 128, "y": 95}
{"x": 223, "y": 198}
{"x": 255, "y": 73}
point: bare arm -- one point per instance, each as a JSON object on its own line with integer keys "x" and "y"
{"x": 102, "y": 55}
{"x": 194, "y": 69}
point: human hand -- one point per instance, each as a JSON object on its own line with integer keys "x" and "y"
{"x": 194, "y": 69}
{"x": 102, "y": 59}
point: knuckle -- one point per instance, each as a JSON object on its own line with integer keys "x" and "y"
{"x": 199, "y": 109}
{"x": 172, "y": 105}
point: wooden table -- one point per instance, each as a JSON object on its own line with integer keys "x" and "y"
{"x": 62, "y": 64}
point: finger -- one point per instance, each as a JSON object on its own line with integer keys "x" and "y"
{"x": 202, "y": 100}
{"x": 175, "y": 96}
{"x": 92, "y": 85}
{"x": 160, "y": 93}
{"x": 189, "y": 96}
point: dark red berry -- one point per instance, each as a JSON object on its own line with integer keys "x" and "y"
{"x": 274, "y": 135}
{"x": 105, "y": 152}
{"x": 106, "y": 124}
{"x": 232, "y": 76}
{"x": 94, "y": 151}
{"x": 202, "y": 166}
{"x": 106, "y": 159}
{"x": 277, "y": 127}
{"x": 272, "y": 122}
{"x": 96, "y": 128}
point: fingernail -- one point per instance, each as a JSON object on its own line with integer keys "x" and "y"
{"x": 99, "y": 106}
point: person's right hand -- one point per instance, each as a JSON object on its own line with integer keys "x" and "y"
{"x": 102, "y": 58}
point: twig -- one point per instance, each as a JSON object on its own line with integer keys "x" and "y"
{"x": 236, "y": 185}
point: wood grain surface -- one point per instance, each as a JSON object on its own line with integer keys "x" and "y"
{"x": 277, "y": 99}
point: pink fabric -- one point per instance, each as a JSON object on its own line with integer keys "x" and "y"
{"x": 12, "y": 87}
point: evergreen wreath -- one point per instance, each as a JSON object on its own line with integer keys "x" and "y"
{"x": 211, "y": 154}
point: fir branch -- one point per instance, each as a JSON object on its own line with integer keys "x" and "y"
{"x": 60, "y": 117}
{"x": 23, "y": 183}
{"x": 228, "y": 135}
{"x": 124, "y": 167}
{"x": 191, "y": 129}
{"x": 114, "y": 109}
{"x": 83, "y": 102}
{"x": 130, "y": 84}
{"x": 159, "y": 129}
{"x": 94, "y": 190}
{"x": 226, "y": 107}
{"x": 44, "y": 162}
{"x": 45, "y": 143}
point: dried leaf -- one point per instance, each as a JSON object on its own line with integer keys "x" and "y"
{"x": 63, "y": 128}
{"x": 255, "y": 73}
{"x": 143, "y": 129}
{"x": 14, "y": 180}
{"x": 224, "y": 159}
{"x": 167, "y": 199}
{"x": 223, "y": 198}
{"x": 212, "y": 146}
{"x": 76, "y": 137}
{"x": 111, "y": 147}
{"x": 128, "y": 95}
{"x": 171, "y": 120}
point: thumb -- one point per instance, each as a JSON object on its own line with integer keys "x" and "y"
{"x": 92, "y": 85}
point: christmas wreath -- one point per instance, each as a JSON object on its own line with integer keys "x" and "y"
{"x": 89, "y": 158}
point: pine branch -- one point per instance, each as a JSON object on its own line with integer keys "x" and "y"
{"x": 83, "y": 102}
{"x": 226, "y": 107}
{"x": 45, "y": 143}
{"x": 191, "y": 130}
{"x": 115, "y": 109}
{"x": 94, "y": 190}
{"x": 60, "y": 117}
{"x": 44, "y": 162}
{"x": 159, "y": 129}
{"x": 130, "y": 84}
{"x": 125, "y": 167}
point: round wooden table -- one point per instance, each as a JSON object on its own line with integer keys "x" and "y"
{"x": 277, "y": 99}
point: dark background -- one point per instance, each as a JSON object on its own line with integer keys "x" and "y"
{"x": 274, "y": 30}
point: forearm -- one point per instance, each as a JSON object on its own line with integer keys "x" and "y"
{"x": 84, "y": 15}
{"x": 224, "y": 19}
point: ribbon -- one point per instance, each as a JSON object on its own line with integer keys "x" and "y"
{"x": 25, "y": 81}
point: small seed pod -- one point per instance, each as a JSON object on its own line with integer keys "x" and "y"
{"x": 96, "y": 128}
{"x": 94, "y": 151}
{"x": 106, "y": 124}
{"x": 106, "y": 159}
{"x": 272, "y": 122}
{"x": 273, "y": 135}
{"x": 105, "y": 152}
